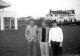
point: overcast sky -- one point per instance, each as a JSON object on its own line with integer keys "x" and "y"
{"x": 38, "y": 8}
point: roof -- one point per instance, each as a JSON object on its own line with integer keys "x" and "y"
{"x": 63, "y": 12}
{"x": 60, "y": 12}
{"x": 3, "y": 4}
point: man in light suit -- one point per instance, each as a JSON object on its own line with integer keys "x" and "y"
{"x": 31, "y": 35}
{"x": 43, "y": 39}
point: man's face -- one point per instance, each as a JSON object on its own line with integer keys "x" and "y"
{"x": 54, "y": 24}
{"x": 43, "y": 24}
{"x": 31, "y": 23}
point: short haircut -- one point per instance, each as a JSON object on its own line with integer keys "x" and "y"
{"x": 44, "y": 21}
{"x": 31, "y": 20}
{"x": 54, "y": 21}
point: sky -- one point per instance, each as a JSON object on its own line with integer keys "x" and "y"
{"x": 39, "y": 8}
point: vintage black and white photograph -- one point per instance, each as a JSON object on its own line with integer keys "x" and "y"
{"x": 39, "y": 27}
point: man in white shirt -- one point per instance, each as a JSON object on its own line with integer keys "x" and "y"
{"x": 56, "y": 39}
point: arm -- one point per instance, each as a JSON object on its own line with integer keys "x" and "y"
{"x": 26, "y": 33}
{"x": 47, "y": 35}
{"x": 39, "y": 34}
{"x": 61, "y": 37}
{"x": 50, "y": 36}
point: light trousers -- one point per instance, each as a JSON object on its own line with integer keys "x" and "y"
{"x": 44, "y": 48}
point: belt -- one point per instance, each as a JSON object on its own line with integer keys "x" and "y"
{"x": 55, "y": 41}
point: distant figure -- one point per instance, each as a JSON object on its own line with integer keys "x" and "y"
{"x": 32, "y": 37}
{"x": 43, "y": 39}
{"x": 56, "y": 39}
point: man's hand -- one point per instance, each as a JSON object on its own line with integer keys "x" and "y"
{"x": 61, "y": 44}
{"x": 29, "y": 38}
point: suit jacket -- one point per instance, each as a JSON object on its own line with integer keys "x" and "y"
{"x": 40, "y": 34}
{"x": 31, "y": 32}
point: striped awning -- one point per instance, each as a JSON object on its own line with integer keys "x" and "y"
{"x": 3, "y": 4}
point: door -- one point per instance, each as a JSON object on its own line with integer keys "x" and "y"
{"x": 9, "y": 23}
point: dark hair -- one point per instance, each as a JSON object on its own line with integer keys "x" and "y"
{"x": 44, "y": 21}
{"x": 31, "y": 20}
{"x": 54, "y": 21}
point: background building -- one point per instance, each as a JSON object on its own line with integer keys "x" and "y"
{"x": 8, "y": 19}
{"x": 61, "y": 15}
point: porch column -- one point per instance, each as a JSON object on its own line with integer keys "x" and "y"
{"x": 16, "y": 23}
{"x": 2, "y": 23}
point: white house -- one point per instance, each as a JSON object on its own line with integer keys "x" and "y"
{"x": 61, "y": 15}
{"x": 8, "y": 19}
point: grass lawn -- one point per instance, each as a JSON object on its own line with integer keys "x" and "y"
{"x": 13, "y": 43}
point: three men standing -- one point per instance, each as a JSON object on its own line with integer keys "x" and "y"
{"x": 43, "y": 36}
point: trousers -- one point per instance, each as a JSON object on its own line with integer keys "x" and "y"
{"x": 57, "y": 50}
{"x": 32, "y": 48}
{"x": 44, "y": 48}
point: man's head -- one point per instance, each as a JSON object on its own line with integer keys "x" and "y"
{"x": 43, "y": 24}
{"x": 54, "y": 23}
{"x": 32, "y": 23}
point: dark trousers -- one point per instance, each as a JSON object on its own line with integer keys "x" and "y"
{"x": 57, "y": 50}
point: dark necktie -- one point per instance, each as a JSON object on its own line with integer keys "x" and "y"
{"x": 43, "y": 34}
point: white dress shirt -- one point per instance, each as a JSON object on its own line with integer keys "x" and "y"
{"x": 56, "y": 34}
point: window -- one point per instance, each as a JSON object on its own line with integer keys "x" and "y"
{"x": 9, "y": 23}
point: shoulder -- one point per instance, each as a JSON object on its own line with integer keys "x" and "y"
{"x": 39, "y": 29}
{"x": 35, "y": 26}
{"x": 50, "y": 29}
{"x": 47, "y": 27}
{"x": 28, "y": 26}
{"x": 59, "y": 28}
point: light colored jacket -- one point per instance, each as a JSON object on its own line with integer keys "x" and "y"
{"x": 32, "y": 31}
{"x": 40, "y": 34}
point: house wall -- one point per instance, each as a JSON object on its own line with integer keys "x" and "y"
{"x": 8, "y": 14}
{"x": 64, "y": 16}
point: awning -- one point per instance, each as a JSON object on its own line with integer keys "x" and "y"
{"x": 3, "y": 4}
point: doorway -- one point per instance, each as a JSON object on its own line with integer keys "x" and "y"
{"x": 9, "y": 23}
